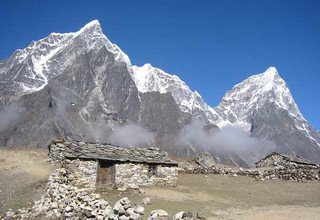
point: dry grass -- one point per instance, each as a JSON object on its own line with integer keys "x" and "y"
{"x": 23, "y": 172}
{"x": 223, "y": 197}
{"x": 272, "y": 212}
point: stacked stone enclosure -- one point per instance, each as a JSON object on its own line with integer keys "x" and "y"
{"x": 276, "y": 159}
{"x": 107, "y": 166}
{"x": 289, "y": 167}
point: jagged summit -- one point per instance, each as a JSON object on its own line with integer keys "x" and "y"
{"x": 93, "y": 23}
{"x": 152, "y": 79}
{"x": 91, "y": 28}
{"x": 41, "y": 60}
{"x": 271, "y": 75}
{"x": 244, "y": 98}
{"x": 266, "y": 80}
{"x": 271, "y": 71}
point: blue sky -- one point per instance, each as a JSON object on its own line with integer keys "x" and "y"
{"x": 211, "y": 45}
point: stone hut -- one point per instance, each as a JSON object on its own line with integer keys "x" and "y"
{"x": 105, "y": 165}
{"x": 289, "y": 167}
{"x": 276, "y": 159}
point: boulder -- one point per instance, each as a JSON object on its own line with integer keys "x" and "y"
{"x": 158, "y": 214}
{"x": 205, "y": 160}
{"x": 146, "y": 201}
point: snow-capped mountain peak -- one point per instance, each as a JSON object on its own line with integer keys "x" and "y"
{"x": 152, "y": 79}
{"x": 268, "y": 87}
{"x": 271, "y": 71}
{"x": 95, "y": 24}
{"x": 86, "y": 84}
{"x": 39, "y": 57}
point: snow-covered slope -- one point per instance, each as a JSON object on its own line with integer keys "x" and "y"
{"x": 152, "y": 79}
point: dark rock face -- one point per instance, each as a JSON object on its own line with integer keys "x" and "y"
{"x": 161, "y": 113}
{"x": 272, "y": 123}
{"x": 71, "y": 103}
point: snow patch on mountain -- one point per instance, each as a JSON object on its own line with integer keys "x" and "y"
{"x": 152, "y": 79}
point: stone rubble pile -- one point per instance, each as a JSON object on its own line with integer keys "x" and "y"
{"x": 62, "y": 200}
{"x": 124, "y": 210}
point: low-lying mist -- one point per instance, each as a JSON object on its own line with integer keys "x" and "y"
{"x": 125, "y": 135}
{"x": 9, "y": 115}
{"x": 131, "y": 135}
{"x": 229, "y": 139}
{"x": 226, "y": 141}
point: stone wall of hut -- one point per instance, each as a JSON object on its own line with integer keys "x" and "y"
{"x": 272, "y": 161}
{"x": 129, "y": 175}
{"x": 84, "y": 172}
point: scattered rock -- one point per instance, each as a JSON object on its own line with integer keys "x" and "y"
{"x": 205, "y": 160}
{"x": 133, "y": 186}
{"x": 158, "y": 214}
{"x": 139, "y": 210}
{"x": 146, "y": 201}
{"x": 185, "y": 215}
{"x": 62, "y": 199}
{"x": 122, "y": 189}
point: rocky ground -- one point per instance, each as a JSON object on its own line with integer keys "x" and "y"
{"x": 205, "y": 195}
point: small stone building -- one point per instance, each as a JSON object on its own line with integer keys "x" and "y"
{"x": 105, "y": 165}
{"x": 275, "y": 159}
{"x": 289, "y": 167}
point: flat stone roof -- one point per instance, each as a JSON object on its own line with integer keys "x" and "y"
{"x": 108, "y": 152}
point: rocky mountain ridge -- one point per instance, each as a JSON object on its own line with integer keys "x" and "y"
{"x": 75, "y": 85}
{"x": 80, "y": 85}
{"x": 263, "y": 95}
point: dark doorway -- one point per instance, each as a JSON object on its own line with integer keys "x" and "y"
{"x": 106, "y": 173}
